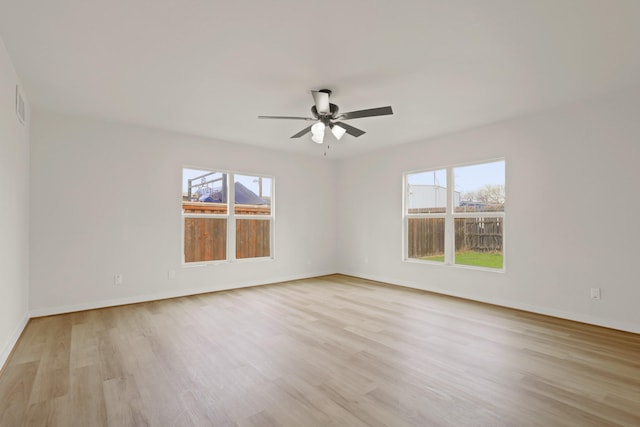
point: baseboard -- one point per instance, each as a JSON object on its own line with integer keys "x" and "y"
{"x": 8, "y": 348}
{"x": 576, "y": 317}
{"x": 49, "y": 311}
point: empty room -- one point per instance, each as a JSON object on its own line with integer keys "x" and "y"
{"x": 301, "y": 213}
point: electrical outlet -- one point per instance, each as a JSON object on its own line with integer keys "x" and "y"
{"x": 118, "y": 279}
{"x": 596, "y": 293}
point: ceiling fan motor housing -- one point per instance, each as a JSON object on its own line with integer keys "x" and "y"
{"x": 333, "y": 112}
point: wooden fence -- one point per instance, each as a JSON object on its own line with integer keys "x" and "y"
{"x": 253, "y": 238}
{"x": 426, "y": 235}
{"x": 205, "y": 239}
{"x": 479, "y": 234}
{"x": 221, "y": 208}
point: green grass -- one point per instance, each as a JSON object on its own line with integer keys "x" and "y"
{"x": 477, "y": 259}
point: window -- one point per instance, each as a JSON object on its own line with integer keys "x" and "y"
{"x": 223, "y": 222}
{"x": 253, "y": 216}
{"x": 455, "y": 215}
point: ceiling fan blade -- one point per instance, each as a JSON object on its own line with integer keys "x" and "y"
{"x": 321, "y": 99}
{"x": 286, "y": 117}
{"x": 380, "y": 111}
{"x": 302, "y": 132}
{"x": 350, "y": 129}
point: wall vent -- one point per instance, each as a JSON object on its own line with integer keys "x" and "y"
{"x": 20, "y": 109}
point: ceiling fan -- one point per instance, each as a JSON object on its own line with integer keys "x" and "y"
{"x": 327, "y": 116}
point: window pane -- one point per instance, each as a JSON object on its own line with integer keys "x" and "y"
{"x": 204, "y": 191}
{"x": 205, "y": 239}
{"x": 253, "y": 238}
{"x": 427, "y": 192}
{"x": 253, "y": 195}
{"x": 426, "y": 239}
{"x": 480, "y": 188}
{"x": 479, "y": 242}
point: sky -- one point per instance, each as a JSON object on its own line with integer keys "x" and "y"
{"x": 251, "y": 182}
{"x": 467, "y": 178}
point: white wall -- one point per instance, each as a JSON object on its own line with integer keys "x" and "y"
{"x": 106, "y": 199}
{"x": 14, "y": 212}
{"x": 561, "y": 238}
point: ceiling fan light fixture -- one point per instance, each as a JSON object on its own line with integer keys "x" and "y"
{"x": 317, "y": 133}
{"x": 338, "y": 131}
{"x": 318, "y": 129}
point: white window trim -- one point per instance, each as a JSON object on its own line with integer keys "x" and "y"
{"x": 449, "y": 216}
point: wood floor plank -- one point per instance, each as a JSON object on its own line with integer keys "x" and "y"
{"x": 50, "y": 413}
{"x": 16, "y": 387}
{"x": 123, "y": 403}
{"x": 329, "y": 351}
{"x": 86, "y": 397}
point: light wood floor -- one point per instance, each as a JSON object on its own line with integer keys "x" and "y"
{"x": 331, "y": 351}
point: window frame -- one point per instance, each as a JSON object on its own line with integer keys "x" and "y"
{"x": 231, "y": 218}
{"x": 450, "y": 216}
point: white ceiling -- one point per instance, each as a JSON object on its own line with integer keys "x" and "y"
{"x": 209, "y": 67}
